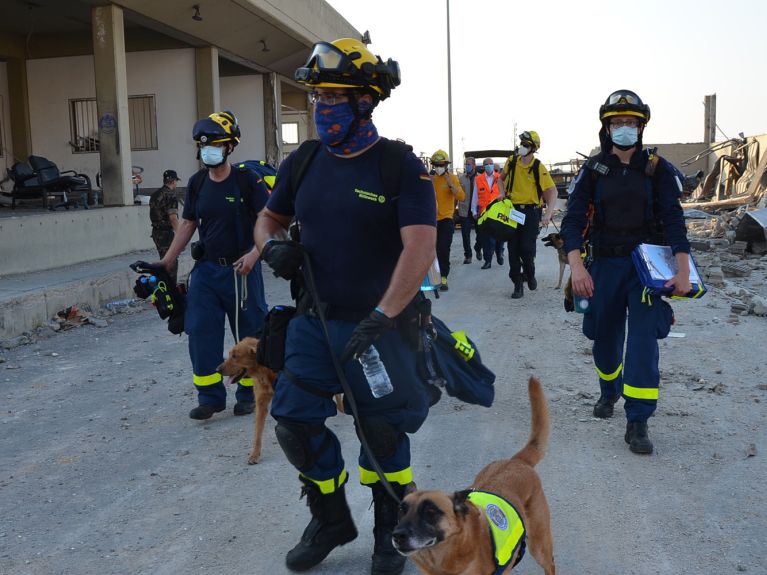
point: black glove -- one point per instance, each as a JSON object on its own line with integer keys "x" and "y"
{"x": 284, "y": 257}
{"x": 366, "y": 332}
{"x": 143, "y": 267}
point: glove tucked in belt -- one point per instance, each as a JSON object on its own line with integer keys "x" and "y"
{"x": 284, "y": 257}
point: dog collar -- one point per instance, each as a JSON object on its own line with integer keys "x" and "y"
{"x": 507, "y": 531}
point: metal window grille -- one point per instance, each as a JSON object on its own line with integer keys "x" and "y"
{"x": 84, "y": 127}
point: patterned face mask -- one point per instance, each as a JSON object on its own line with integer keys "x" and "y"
{"x": 334, "y": 122}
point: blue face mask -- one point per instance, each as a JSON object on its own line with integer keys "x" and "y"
{"x": 212, "y": 156}
{"x": 469, "y": 168}
{"x": 489, "y": 170}
{"x": 624, "y": 136}
{"x": 333, "y": 125}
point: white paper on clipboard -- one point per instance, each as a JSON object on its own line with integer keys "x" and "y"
{"x": 517, "y": 216}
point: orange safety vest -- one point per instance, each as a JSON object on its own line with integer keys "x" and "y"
{"x": 485, "y": 194}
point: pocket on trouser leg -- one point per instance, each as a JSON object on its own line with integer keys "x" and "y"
{"x": 664, "y": 318}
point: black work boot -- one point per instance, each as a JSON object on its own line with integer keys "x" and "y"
{"x": 604, "y": 407}
{"x": 519, "y": 290}
{"x": 636, "y": 437}
{"x": 244, "y": 407}
{"x": 204, "y": 411}
{"x": 331, "y": 526}
{"x": 532, "y": 283}
{"x": 386, "y": 559}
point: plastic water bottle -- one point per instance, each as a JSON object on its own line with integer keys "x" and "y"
{"x": 581, "y": 304}
{"x": 375, "y": 373}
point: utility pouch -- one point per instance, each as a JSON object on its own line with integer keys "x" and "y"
{"x": 271, "y": 345}
{"x": 197, "y": 249}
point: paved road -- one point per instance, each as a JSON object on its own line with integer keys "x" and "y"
{"x": 101, "y": 472}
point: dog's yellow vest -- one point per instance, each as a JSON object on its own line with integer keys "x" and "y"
{"x": 506, "y": 528}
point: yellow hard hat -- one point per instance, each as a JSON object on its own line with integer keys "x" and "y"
{"x": 347, "y": 63}
{"x": 531, "y": 137}
{"x": 440, "y": 157}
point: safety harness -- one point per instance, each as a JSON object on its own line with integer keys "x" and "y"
{"x": 507, "y": 530}
{"x": 535, "y": 167}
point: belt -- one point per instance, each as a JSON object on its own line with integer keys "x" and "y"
{"x": 524, "y": 206}
{"x": 223, "y": 262}
{"x": 613, "y": 251}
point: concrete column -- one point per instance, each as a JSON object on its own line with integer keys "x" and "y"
{"x": 18, "y": 105}
{"x": 112, "y": 104}
{"x": 208, "y": 86}
{"x": 272, "y": 115}
{"x": 709, "y": 121}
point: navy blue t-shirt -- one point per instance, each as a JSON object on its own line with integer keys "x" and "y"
{"x": 218, "y": 204}
{"x": 349, "y": 227}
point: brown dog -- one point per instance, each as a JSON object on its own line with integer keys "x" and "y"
{"x": 242, "y": 362}
{"x": 449, "y": 534}
{"x": 555, "y": 241}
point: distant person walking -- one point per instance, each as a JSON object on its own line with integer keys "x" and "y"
{"x": 464, "y": 208}
{"x": 528, "y": 183}
{"x": 487, "y": 187}
{"x": 448, "y": 189}
{"x": 163, "y": 213}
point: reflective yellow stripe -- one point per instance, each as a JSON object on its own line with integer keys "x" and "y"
{"x": 246, "y": 382}
{"x": 329, "y": 485}
{"x": 462, "y": 344}
{"x": 640, "y": 392}
{"x": 368, "y": 476}
{"x": 270, "y": 180}
{"x": 203, "y": 380}
{"x": 609, "y": 376}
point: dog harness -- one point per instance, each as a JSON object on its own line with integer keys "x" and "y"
{"x": 507, "y": 531}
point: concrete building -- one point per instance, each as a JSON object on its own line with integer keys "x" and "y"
{"x": 111, "y": 87}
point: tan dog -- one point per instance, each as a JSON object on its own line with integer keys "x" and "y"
{"x": 449, "y": 534}
{"x": 555, "y": 241}
{"x": 241, "y": 363}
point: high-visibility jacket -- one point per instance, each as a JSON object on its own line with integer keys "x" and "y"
{"x": 485, "y": 193}
{"x": 507, "y": 531}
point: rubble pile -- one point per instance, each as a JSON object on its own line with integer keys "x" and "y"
{"x": 731, "y": 254}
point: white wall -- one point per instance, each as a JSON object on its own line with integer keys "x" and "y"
{"x": 168, "y": 74}
{"x": 244, "y": 95}
{"x": 5, "y": 122}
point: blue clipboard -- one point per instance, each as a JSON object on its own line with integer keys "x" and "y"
{"x": 657, "y": 264}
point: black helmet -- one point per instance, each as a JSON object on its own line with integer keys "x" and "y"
{"x": 347, "y": 63}
{"x": 624, "y": 103}
{"x": 216, "y": 128}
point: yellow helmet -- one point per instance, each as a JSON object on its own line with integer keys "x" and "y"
{"x": 531, "y": 137}
{"x": 440, "y": 157}
{"x": 347, "y": 63}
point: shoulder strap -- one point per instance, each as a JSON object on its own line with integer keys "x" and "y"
{"x": 391, "y": 165}
{"x": 301, "y": 160}
{"x": 195, "y": 185}
{"x": 509, "y": 183}
{"x": 652, "y": 161}
{"x": 537, "y": 176}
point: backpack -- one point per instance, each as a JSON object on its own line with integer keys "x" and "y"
{"x": 265, "y": 170}
{"x": 509, "y": 182}
{"x": 390, "y": 167}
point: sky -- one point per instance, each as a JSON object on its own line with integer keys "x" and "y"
{"x": 547, "y": 65}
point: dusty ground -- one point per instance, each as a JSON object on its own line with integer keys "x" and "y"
{"x": 101, "y": 471}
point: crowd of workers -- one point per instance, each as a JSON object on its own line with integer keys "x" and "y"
{"x": 354, "y": 223}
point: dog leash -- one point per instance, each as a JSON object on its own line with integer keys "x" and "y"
{"x": 241, "y": 297}
{"x": 312, "y": 287}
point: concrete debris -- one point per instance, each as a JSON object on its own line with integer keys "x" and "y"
{"x": 736, "y": 270}
{"x": 759, "y": 306}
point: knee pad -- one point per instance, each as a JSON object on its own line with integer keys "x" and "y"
{"x": 294, "y": 439}
{"x": 381, "y": 435}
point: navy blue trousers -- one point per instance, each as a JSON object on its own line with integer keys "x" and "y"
{"x": 210, "y": 300}
{"x": 617, "y": 290}
{"x": 405, "y": 409}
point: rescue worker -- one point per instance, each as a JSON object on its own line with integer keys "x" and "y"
{"x": 528, "y": 183}
{"x": 226, "y": 280}
{"x": 464, "y": 207}
{"x": 487, "y": 187}
{"x": 368, "y": 260}
{"x": 447, "y": 189}
{"x": 163, "y": 213}
{"x": 635, "y": 195}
